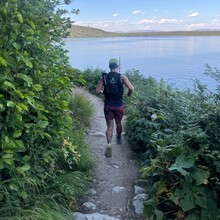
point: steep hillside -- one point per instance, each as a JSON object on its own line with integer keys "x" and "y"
{"x": 80, "y": 31}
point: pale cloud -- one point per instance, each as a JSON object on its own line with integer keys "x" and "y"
{"x": 215, "y": 20}
{"x": 135, "y": 12}
{"x": 193, "y": 14}
{"x": 155, "y": 10}
{"x": 115, "y": 15}
{"x": 214, "y": 24}
{"x": 146, "y": 21}
{"x": 159, "y": 21}
{"x": 105, "y": 25}
{"x": 196, "y": 26}
{"x": 169, "y": 21}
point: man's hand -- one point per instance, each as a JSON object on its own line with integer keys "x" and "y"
{"x": 129, "y": 92}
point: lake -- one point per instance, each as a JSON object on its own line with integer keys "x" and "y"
{"x": 177, "y": 60}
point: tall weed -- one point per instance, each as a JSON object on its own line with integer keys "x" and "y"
{"x": 177, "y": 134}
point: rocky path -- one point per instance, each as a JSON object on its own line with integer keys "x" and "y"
{"x": 115, "y": 192}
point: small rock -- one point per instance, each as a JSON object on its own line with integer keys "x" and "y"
{"x": 116, "y": 166}
{"x": 89, "y": 206}
{"x": 91, "y": 192}
{"x": 93, "y": 216}
{"x": 138, "y": 203}
{"x": 139, "y": 190}
{"x": 118, "y": 189}
{"x": 98, "y": 134}
{"x": 90, "y": 199}
{"x": 79, "y": 216}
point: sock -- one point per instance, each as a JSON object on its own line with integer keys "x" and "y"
{"x": 108, "y": 141}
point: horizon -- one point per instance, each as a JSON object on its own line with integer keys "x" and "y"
{"x": 157, "y": 15}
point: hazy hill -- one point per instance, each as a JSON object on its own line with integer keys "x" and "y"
{"x": 80, "y": 31}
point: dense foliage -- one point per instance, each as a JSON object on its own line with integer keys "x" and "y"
{"x": 91, "y": 77}
{"x": 178, "y": 135}
{"x": 40, "y": 143}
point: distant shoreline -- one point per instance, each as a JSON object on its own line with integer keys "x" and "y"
{"x": 86, "y": 32}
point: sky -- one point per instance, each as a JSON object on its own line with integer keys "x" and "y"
{"x": 147, "y": 15}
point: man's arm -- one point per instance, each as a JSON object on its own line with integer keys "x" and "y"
{"x": 99, "y": 87}
{"x": 128, "y": 84}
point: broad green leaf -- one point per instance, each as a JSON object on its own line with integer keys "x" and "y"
{"x": 17, "y": 134}
{"x": 23, "y": 195}
{"x": 31, "y": 101}
{"x": 26, "y": 167}
{"x": 37, "y": 87}
{"x": 16, "y": 46}
{"x": 25, "y": 78}
{"x": 199, "y": 195}
{"x": 19, "y": 17}
{"x": 18, "y": 93}
{"x": 185, "y": 197}
{"x": 25, "y": 158}
{"x": 19, "y": 108}
{"x": 30, "y": 38}
{"x": 10, "y": 104}
{"x": 2, "y": 62}
{"x": 29, "y": 31}
{"x": 149, "y": 207}
{"x": 45, "y": 134}
{"x": 31, "y": 23}
{"x": 22, "y": 106}
{"x": 28, "y": 62}
{"x": 13, "y": 187}
{"x": 158, "y": 214}
{"x": 9, "y": 84}
{"x": 200, "y": 175}
{"x": 187, "y": 202}
{"x": 42, "y": 124}
{"x": 8, "y": 159}
{"x": 23, "y": 169}
{"x": 193, "y": 216}
{"x": 20, "y": 145}
{"x": 7, "y": 140}
{"x": 182, "y": 162}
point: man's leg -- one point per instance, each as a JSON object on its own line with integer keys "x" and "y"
{"x": 118, "y": 118}
{"x": 109, "y": 130}
{"x": 109, "y": 116}
{"x": 118, "y": 131}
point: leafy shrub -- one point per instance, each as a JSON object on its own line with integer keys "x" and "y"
{"x": 37, "y": 143}
{"x": 92, "y": 77}
{"x": 177, "y": 133}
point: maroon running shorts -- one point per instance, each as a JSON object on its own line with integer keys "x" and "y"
{"x": 113, "y": 113}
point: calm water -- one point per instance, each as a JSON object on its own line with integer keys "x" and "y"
{"x": 178, "y": 60}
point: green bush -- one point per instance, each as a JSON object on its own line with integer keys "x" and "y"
{"x": 177, "y": 134}
{"x": 38, "y": 149}
{"x": 91, "y": 77}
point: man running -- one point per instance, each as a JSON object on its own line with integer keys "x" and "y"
{"x": 112, "y": 83}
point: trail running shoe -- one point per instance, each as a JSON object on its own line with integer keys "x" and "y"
{"x": 108, "y": 150}
{"x": 119, "y": 140}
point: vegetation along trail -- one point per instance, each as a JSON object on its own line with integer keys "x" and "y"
{"x": 114, "y": 193}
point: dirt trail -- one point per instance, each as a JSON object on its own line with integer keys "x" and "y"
{"x": 113, "y": 178}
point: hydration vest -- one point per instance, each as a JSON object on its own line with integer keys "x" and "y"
{"x": 113, "y": 87}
